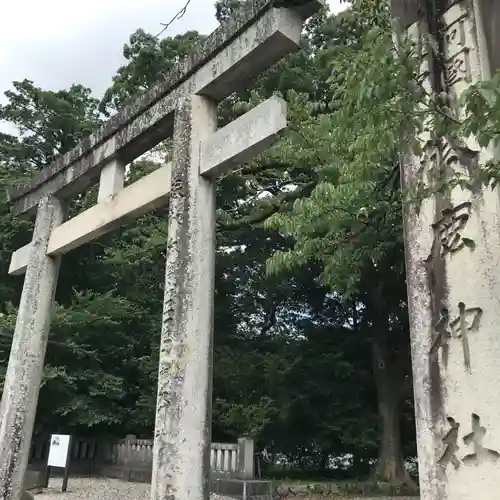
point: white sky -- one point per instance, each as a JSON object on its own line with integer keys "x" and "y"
{"x": 56, "y": 43}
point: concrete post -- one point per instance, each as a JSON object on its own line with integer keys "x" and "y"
{"x": 181, "y": 454}
{"x": 24, "y": 372}
{"x": 111, "y": 181}
{"x": 453, "y": 258}
{"x": 127, "y": 459}
{"x": 245, "y": 458}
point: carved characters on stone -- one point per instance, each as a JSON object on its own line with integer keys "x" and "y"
{"x": 449, "y": 169}
{"x": 450, "y": 442}
{"x": 442, "y": 336}
{"x": 458, "y": 69}
{"x": 445, "y": 330}
{"x": 448, "y": 229}
{"x": 448, "y": 158}
{"x": 456, "y": 51}
{"x": 455, "y": 36}
{"x": 467, "y": 321}
{"x": 457, "y": 158}
{"x": 427, "y": 173}
{"x": 475, "y": 439}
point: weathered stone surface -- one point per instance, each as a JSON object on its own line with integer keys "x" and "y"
{"x": 183, "y": 414}
{"x": 453, "y": 257}
{"x": 148, "y": 193}
{"x": 243, "y": 138}
{"x": 224, "y": 64}
{"x": 19, "y": 260}
{"x": 407, "y": 12}
{"x": 29, "y": 343}
{"x": 246, "y": 454}
{"x": 182, "y": 434}
{"x": 230, "y": 146}
{"x": 33, "y": 480}
{"x": 111, "y": 181}
{"x": 489, "y": 13}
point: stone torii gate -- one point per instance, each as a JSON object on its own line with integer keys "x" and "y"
{"x": 182, "y": 104}
{"x": 453, "y": 265}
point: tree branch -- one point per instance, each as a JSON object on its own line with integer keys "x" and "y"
{"x": 275, "y": 207}
{"x": 179, "y": 14}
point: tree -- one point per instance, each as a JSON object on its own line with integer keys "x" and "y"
{"x": 285, "y": 174}
{"x": 224, "y": 9}
{"x": 48, "y": 123}
{"x": 96, "y": 339}
{"x": 147, "y": 58}
{"x": 351, "y": 222}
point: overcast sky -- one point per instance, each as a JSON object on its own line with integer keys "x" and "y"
{"x": 56, "y": 43}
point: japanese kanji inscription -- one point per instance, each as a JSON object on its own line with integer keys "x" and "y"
{"x": 451, "y": 242}
{"x": 474, "y": 439}
{"x": 467, "y": 321}
{"x": 448, "y": 229}
{"x": 447, "y": 158}
{"x": 450, "y": 442}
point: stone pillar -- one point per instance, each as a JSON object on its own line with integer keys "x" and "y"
{"x": 24, "y": 372}
{"x": 453, "y": 263}
{"x": 111, "y": 180}
{"x": 181, "y": 453}
{"x": 246, "y": 458}
{"x": 489, "y": 10}
{"x": 128, "y": 459}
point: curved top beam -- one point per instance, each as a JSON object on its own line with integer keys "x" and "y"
{"x": 113, "y": 139}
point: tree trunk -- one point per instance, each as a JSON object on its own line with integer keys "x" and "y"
{"x": 390, "y": 394}
{"x": 325, "y": 459}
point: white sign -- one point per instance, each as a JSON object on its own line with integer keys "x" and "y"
{"x": 59, "y": 449}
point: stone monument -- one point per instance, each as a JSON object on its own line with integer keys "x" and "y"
{"x": 453, "y": 263}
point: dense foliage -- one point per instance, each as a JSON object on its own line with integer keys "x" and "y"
{"x": 311, "y": 331}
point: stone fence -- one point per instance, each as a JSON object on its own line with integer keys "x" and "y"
{"x": 131, "y": 458}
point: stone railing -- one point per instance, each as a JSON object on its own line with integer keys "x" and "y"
{"x": 132, "y": 458}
